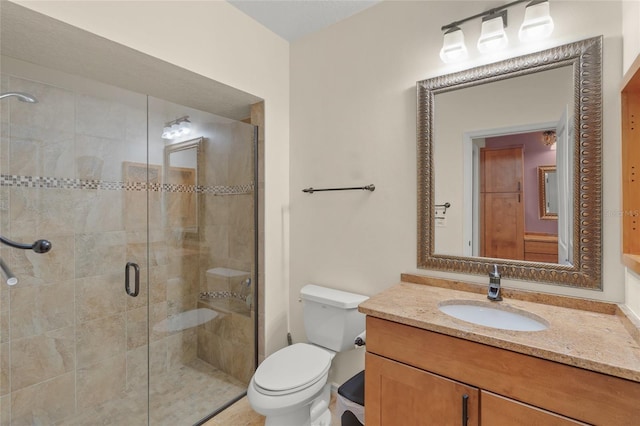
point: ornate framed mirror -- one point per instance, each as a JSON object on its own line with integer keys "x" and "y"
{"x": 548, "y": 192}
{"x": 460, "y": 116}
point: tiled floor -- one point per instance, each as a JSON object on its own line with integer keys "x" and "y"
{"x": 181, "y": 396}
{"x": 241, "y": 414}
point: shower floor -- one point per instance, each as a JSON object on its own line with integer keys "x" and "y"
{"x": 178, "y": 397}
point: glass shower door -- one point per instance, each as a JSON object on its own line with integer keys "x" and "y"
{"x": 202, "y": 262}
{"x": 143, "y": 311}
{"x": 73, "y": 343}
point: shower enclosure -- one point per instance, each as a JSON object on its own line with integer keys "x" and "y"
{"x": 144, "y": 309}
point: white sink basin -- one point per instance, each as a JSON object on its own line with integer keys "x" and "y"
{"x": 491, "y": 314}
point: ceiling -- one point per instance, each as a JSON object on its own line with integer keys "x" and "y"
{"x": 26, "y": 35}
{"x": 293, "y": 19}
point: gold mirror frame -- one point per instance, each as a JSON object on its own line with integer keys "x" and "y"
{"x": 585, "y": 271}
{"x": 542, "y": 193}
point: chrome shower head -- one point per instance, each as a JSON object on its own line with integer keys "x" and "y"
{"x": 24, "y": 97}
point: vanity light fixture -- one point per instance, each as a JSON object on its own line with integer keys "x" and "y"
{"x": 493, "y": 36}
{"x": 537, "y": 25}
{"x": 177, "y": 128}
{"x": 453, "y": 47}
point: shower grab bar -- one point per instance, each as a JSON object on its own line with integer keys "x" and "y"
{"x": 371, "y": 188}
{"x": 11, "y": 279}
{"x": 40, "y": 246}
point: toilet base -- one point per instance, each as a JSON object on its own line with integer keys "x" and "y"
{"x": 323, "y": 420}
{"x": 297, "y": 418}
{"x": 315, "y": 413}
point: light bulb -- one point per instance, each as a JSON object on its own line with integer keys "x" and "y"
{"x": 185, "y": 127}
{"x": 537, "y": 24}
{"x": 493, "y": 37}
{"x": 175, "y": 131}
{"x": 453, "y": 47}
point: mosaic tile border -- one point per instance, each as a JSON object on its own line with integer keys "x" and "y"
{"x": 222, "y": 295}
{"x": 16, "y": 181}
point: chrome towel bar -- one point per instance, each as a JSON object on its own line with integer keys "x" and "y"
{"x": 371, "y": 188}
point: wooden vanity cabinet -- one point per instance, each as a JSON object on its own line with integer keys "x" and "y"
{"x": 414, "y": 375}
{"x": 405, "y": 395}
{"x": 500, "y": 411}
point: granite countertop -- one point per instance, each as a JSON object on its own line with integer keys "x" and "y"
{"x": 598, "y": 338}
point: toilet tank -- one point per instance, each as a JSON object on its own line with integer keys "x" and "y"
{"x": 331, "y": 317}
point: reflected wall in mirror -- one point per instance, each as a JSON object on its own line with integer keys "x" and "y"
{"x": 181, "y": 183}
{"x": 482, "y": 134}
{"x": 548, "y": 192}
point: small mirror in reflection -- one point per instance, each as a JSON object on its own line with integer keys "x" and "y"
{"x": 548, "y": 192}
{"x": 181, "y": 172}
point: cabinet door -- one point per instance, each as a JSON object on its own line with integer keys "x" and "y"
{"x": 397, "y": 394}
{"x": 496, "y": 410}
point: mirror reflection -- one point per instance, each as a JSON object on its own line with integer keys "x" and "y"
{"x": 181, "y": 170}
{"x": 489, "y": 141}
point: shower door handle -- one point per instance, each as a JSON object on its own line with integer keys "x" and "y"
{"x": 127, "y": 286}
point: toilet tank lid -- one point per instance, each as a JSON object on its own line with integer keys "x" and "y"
{"x": 332, "y": 297}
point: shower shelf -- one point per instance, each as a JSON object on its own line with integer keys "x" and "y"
{"x": 227, "y": 272}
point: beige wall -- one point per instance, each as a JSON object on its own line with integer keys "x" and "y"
{"x": 631, "y": 37}
{"x": 632, "y": 288}
{"x": 630, "y": 31}
{"x": 216, "y": 40}
{"x": 353, "y": 123}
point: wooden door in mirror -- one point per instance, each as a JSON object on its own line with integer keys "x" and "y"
{"x": 502, "y": 203}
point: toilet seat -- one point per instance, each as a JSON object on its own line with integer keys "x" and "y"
{"x": 292, "y": 369}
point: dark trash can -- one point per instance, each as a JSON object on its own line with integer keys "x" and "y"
{"x": 350, "y": 401}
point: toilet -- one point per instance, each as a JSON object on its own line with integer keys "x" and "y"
{"x": 290, "y": 387}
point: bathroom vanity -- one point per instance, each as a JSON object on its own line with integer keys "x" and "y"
{"x": 426, "y": 367}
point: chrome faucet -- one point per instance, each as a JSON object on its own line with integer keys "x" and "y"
{"x": 494, "y": 285}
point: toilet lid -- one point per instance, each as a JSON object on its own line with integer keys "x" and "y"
{"x": 292, "y": 368}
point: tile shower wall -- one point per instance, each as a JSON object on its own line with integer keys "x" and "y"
{"x": 228, "y": 258}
